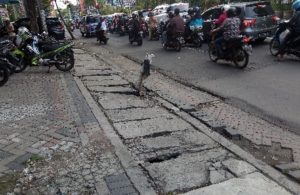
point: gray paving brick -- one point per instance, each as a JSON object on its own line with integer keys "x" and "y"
{"x": 123, "y": 191}
{"x": 116, "y": 178}
{"x": 18, "y": 163}
{"x": 119, "y": 184}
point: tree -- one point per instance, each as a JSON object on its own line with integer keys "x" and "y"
{"x": 31, "y": 11}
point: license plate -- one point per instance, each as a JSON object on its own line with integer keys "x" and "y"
{"x": 248, "y": 49}
{"x": 263, "y": 35}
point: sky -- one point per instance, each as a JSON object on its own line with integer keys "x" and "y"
{"x": 61, "y": 5}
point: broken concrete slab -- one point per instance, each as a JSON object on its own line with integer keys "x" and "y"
{"x": 217, "y": 176}
{"x": 254, "y": 183}
{"x": 106, "y": 83}
{"x": 113, "y": 89}
{"x": 295, "y": 174}
{"x": 138, "y": 114}
{"x": 239, "y": 167}
{"x": 118, "y": 101}
{"x": 102, "y": 78}
{"x": 185, "y": 172}
{"x": 289, "y": 166}
{"x": 133, "y": 129}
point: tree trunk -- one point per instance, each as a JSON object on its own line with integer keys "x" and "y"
{"x": 31, "y": 13}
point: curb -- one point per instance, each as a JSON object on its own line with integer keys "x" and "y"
{"x": 132, "y": 169}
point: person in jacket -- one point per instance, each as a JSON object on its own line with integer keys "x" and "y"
{"x": 230, "y": 29}
{"x": 152, "y": 24}
{"x": 135, "y": 27}
{"x": 294, "y": 24}
{"x": 223, "y": 16}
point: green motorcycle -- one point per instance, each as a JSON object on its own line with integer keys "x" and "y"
{"x": 38, "y": 49}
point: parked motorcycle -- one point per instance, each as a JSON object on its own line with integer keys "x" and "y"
{"x": 41, "y": 50}
{"x": 292, "y": 46}
{"x": 13, "y": 54}
{"x": 4, "y": 72}
{"x": 236, "y": 50}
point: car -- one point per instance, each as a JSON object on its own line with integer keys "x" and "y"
{"x": 160, "y": 9}
{"x": 88, "y": 25}
{"x": 183, "y": 8}
{"x": 257, "y": 17}
{"x": 55, "y": 28}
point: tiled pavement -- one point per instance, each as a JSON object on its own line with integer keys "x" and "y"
{"x": 45, "y": 114}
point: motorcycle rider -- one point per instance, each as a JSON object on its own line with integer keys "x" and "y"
{"x": 197, "y": 18}
{"x": 176, "y": 25}
{"x": 223, "y": 16}
{"x": 135, "y": 27}
{"x": 230, "y": 28}
{"x": 101, "y": 28}
{"x": 166, "y": 28}
{"x": 152, "y": 25}
{"x": 294, "y": 24}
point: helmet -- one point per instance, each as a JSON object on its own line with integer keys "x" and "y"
{"x": 24, "y": 33}
{"x": 134, "y": 15}
{"x": 177, "y": 11}
{"x": 151, "y": 14}
{"x": 170, "y": 14}
{"x": 296, "y": 5}
{"x": 190, "y": 11}
{"x": 231, "y": 12}
{"x": 225, "y": 8}
{"x": 197, "y": 10}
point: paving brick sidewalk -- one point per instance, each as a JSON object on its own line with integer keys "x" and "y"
{"x": 43, "y": 115}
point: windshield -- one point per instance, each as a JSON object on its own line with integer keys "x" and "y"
{"x": 92, "y": 20}
{"x": 182, "y": 7}
{"x": 259, "y": 10}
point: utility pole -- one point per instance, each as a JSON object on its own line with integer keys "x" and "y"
{"x": 31, "y": 12}
{"x": 62, "y": 18}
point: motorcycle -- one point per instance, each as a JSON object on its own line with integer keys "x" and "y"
{"x": 154, "y": 34}
{"x": 135, "y": 36}
{"x": 236, "y": 50}
{"x": 42, "y": 50}
{"x": 292, "y": 46}
{"x": 101, "y": 36}
{"x": 12, "y": 53}
{"x": 174, "y": 42}
{"x": 196, "y": 36}
{"x": 4, "y": 72}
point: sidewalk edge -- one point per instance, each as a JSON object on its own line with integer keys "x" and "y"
{"x": 130, "y": 166}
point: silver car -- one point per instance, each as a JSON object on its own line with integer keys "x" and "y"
{"x": 258, "y": 19}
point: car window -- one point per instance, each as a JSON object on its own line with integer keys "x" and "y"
{"x": 259, "y": 10}
{"x": 92, "y": 20}
{"x": 212, "y": 14}
{"x": 207, "y": 14}
{"x": 182, "y": 7}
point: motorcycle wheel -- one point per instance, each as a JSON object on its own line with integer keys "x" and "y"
{"x": 66, "y": 60}
{"x": 20, "y": 66}
{"x": 274, "y": 47}
{"x": 198, "y": 42}
{"x": 212, "y": 52}
{"x": 140, "y": 42}
{"x": 178, "y": 47}
{"x": 4, "y": 75}
{"x": 241, "y": 59}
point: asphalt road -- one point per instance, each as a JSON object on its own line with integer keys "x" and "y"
{"x": 267, "y": 88}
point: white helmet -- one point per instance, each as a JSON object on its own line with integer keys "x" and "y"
{"x": 226, "y": 7}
